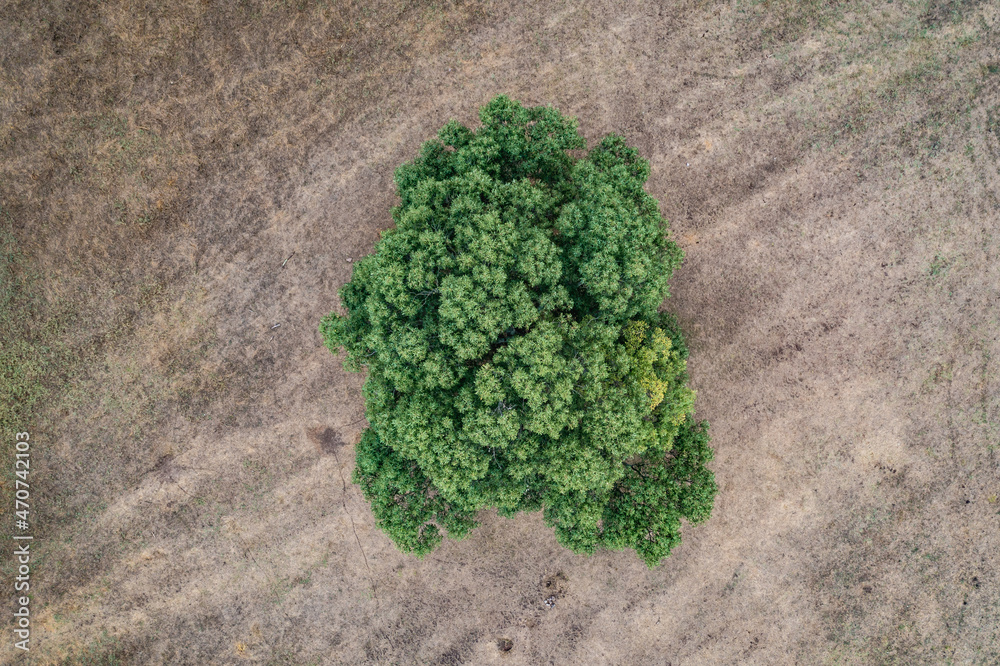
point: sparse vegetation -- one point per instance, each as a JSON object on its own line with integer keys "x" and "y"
{"x": 22, "y": 366}
{"x": 105, "y": 650}
{"x": 33, "y": 350}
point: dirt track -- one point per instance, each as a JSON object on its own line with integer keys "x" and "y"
{"x": 188, "y": 180}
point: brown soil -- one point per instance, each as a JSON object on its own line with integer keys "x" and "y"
{"x": 194, "y": 179}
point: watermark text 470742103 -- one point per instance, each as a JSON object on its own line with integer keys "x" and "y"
{"x": 22, "y": 580}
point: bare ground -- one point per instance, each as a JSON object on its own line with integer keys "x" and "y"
{"x": 186, "y": 177}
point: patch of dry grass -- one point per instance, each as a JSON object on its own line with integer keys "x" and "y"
{"x": 182, "y": 178}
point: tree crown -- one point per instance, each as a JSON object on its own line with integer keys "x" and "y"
{"x": 515, "y": 354}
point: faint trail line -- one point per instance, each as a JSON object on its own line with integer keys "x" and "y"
{"x": 353, "y": 422}
{"x": 343, "y": 502}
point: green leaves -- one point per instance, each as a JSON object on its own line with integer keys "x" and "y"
{"x": 615, "y": 237}
{"x": 515, "y": 354}
{"x": 402, "y": 498}
{"x": 656, "y": 492}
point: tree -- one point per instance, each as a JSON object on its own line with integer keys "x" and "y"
{"x": 516, "y": 358}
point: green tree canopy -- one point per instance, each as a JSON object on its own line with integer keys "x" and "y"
{"x": 516, "y": 356}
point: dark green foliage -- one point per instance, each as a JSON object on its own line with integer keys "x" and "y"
{"x": 515, "y": 354}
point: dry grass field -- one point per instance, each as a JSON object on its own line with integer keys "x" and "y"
{"x": 183, "y": 188}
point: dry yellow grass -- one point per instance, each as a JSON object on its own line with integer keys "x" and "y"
{"x": 187, "y": 176}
